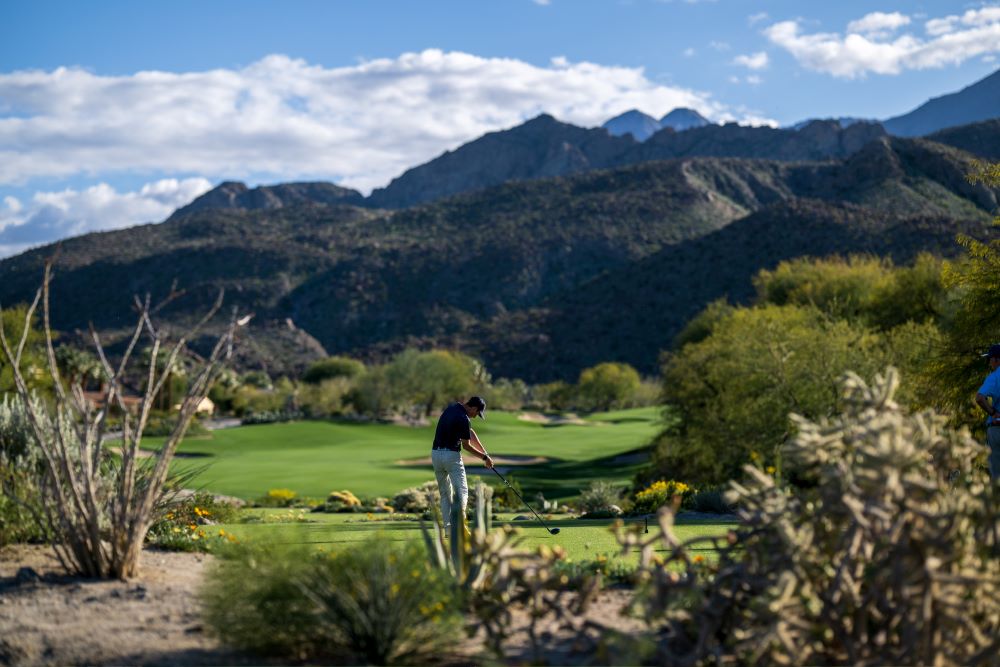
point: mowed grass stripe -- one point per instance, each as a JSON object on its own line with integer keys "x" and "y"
{"x": 314, "y": 457}
{"x": 583, "y": 540}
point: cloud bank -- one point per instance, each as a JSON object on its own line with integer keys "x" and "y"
{"x": 872, "y": 44}
{"x": 53, "y": 215}
{"x": 283, "y": 118}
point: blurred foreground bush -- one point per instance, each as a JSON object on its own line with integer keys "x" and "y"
{"x": 885, "y": 554}
{"x": 375, "y": 603}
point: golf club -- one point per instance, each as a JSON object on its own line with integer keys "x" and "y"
{"x": 552, "y": 531}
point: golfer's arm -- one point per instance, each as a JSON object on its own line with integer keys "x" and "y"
{"x": 982, "y": 402}
{"x": 474, "y": 445}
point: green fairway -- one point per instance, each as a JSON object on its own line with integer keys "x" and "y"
{"x": 583, "y": 540}
{"x": 313, "y": 458}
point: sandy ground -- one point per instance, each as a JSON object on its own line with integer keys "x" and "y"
{"x": 48, "y": 618}
{"x": 568, "y": 418}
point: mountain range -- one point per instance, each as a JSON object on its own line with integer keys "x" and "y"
{"x": 541, "y": 249}
{"x": 642, "y": 126}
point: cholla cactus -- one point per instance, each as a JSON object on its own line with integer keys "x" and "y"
{"x": 885, "y": 552}
{"x": 497, "y": 575}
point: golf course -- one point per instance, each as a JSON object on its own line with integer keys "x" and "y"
{"x": 313, "y": 458}
{"x": 555, "y": 456}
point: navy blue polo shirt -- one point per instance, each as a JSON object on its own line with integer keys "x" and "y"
{"x": 453, "y": 427}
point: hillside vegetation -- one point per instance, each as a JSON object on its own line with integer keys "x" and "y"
{"x": 538, "y": 278}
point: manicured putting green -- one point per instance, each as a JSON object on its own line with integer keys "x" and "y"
{"x": 313, "y": 458}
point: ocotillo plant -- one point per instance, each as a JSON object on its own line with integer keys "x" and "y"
{"x": 99, "y": 509}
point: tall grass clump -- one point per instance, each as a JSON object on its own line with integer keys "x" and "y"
{"x": 375, "y": 603}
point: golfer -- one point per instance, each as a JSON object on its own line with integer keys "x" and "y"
{"x": 454, "y": 432}
{"x": 988, "y": 398}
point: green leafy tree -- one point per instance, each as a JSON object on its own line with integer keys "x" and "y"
{"x": 958, "y": 369}
{"x": 34, "y": 364}
{"x": 432, "y": 379}
{"x": 736, "y": 387}
{"x": 77, "y": 366}
{"x": 607, "y": 385}
{"x": 331, "y": 368}
{"x": 860, "y": 288}
{"x": 373, "y": 393}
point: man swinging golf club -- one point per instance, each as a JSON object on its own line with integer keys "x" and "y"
{"x": 454, "y": 433}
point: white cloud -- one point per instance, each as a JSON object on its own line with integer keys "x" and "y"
{"x": 719, "y": 45}
{"x": 281, "y": 118}
{"x": 754, "y": 80}
{"x": 689, "y": 52}
{"x": 543, "y": 3}
{"x": 754, "y": 19}
{"x": 53, "y": 215}
{"x": 878, "y": 24}
{"x": 753, "y": 61}
{"x": 952, "y": 40}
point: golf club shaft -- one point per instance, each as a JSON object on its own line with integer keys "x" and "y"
{"x": 521, "y": 499}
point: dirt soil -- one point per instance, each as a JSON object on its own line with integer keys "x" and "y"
{"x": 49, "y": 618}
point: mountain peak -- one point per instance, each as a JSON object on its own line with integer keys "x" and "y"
{"x": 682, "y": 118}
{"x": 641, "y": 126}
{"x": 977, "y": 102}
{"x": 236, "y": 195}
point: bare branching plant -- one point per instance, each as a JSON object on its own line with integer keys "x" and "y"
{"x": 99, "y": 506}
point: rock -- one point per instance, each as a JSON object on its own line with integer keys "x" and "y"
{"x": 27, "y": 575}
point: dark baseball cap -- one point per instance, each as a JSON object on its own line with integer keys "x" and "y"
{"x": 480, "y": 403}
{"x": 994, "y": 351}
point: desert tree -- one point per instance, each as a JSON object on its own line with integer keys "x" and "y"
{"x": 99, "y": 505}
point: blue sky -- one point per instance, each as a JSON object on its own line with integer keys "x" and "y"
{"x": 114, "y": 113}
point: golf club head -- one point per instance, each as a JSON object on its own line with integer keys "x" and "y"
{"x": 554, "y": 531}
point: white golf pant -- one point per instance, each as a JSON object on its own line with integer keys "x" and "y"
{"x": 450, "y": 473}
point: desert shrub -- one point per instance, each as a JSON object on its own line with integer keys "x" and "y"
{"x": 342, "y": 501}
{"x": 886, "y": 555}
{"x": 332, "y": 368}
{"x": 250, "y": 399}
{"x": 600, "y": 498}
{"x": 556, "y": 395}
{"x": 505, "y": 498}
{"x": 186, "y": 524}
{"x": 615, "y": 570}
{"x": 258, "y": 379}
{"x": 418, "y": 499}
{"x": 375, "y": 603}
{"x": 278, "y": 498}
{"x": 326, "y": 398}
{"x": 270, "y": 417}
{"x": 658, "y": 494}
{"x": 606, "y": 386}
{"x": 735, "y": 387}
{"x": 711, "y": 500}
{"x": 163, "y": 425}
{"x": 506, "y": 394}
{"x": 20, "y": 499}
